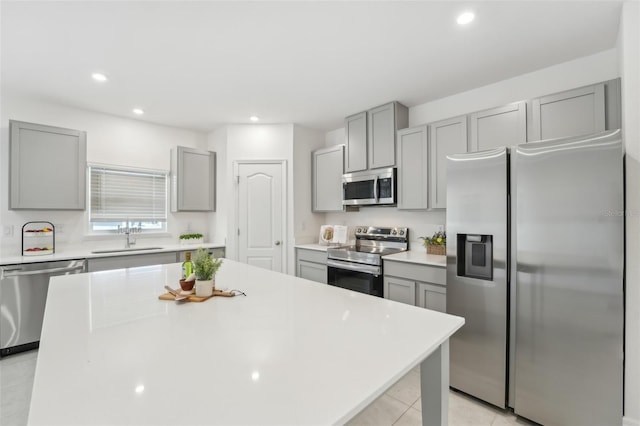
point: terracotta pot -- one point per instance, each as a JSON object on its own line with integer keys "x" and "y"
{"x": 186, "y": 285}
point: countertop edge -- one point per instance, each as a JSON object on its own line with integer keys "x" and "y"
{"x": 87, "y": 254}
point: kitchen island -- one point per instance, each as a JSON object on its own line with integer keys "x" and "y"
{"x": 291, "y": 351}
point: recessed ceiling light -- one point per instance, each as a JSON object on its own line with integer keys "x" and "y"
{"x": 254, "y": 118}
{"x": 99, "y": 77}
{"x": 138, "y": 111}
{"x": 465, "y": 18}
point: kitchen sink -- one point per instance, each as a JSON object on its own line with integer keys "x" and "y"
{"x": 125, "y": 250}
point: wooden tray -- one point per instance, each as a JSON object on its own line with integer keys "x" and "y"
{"x": 194, "y": 298}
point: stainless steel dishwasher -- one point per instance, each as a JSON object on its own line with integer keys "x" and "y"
{"x": 23, "y": 294}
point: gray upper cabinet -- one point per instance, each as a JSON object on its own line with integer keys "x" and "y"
{"x": 371, "y": 137}
{"x": 47, "y": 167}
{"x": 327, "y": 168}
{"x": 383, "y": 122}
{"x": 193, "y": 180}
{"x": 571, "y": 113}
{"x": 445, "y": 137}
{"x": 413, "y": 168}
{"x": 496, "y": 127}
{"x": 356, "y": 142}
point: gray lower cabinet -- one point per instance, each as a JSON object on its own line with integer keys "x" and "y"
{"x": 47, "y": 167}
{"x": 498, "y": 127}
{"x": 327, "y": 169}
{"x": 193, "y": 180}
{"x": 571, "y": 113}
{"x": 129, "y": 261}
{"x": 432, "y": 297}
{"x": 311, "y": 265}
{"x": 445, "y": 137}
{"x": 217, "y": 252}
{"x": 416, "y": 284}
{"x": 413, "y": 169}
{"x": 400, "y": 290}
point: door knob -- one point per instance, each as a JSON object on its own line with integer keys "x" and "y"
{"x": 277, "y": 243}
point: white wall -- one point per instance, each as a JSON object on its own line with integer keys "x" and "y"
{"x": 268, "y": 142}
{"x": 251, "y": 142}
{"x": 629, "y": 58}
{"x": 557, "y": 78}
{"x": 110, "y": 140}
{"x": 580, "y": 72}
{"x": 306, "y": 223}
{"x": 217, "y": 142}
{"x": 335, "y": 137}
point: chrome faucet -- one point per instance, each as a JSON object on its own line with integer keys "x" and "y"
{"x": 128, "y": 231}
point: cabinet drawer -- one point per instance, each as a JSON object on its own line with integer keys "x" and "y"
{"x": 312, "y": 271}
{"x": 312, "y": 256}
{"x": 412, "y": 271}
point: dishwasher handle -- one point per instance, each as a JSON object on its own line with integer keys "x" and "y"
{"x": 8, "y": 273}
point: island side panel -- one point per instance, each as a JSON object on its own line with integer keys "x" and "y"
{"x": 434, "y": 382}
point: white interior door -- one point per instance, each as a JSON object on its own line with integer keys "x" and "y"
{"x": 261, "y": 214}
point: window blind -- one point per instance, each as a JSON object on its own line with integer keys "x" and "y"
{"x": 127, "y": 195}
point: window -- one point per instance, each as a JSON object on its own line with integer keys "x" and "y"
{"x": 127, "y": 198}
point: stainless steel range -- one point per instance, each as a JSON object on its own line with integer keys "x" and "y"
{"x": 359, "y": 267}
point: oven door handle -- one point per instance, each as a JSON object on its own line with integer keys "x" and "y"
{"x": 357, "y": 267}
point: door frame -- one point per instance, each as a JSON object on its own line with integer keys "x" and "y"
{"x": 236, "y": 207}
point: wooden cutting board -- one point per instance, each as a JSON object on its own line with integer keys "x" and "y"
{"x": 194, "y": 298}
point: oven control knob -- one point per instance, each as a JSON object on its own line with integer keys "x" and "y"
{"x": 401, "y": 232}
{"x": 359, "y": 230}
{"x": 393, "y": 232}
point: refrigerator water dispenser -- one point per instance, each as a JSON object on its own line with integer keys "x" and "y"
{"x": 475, "y": 256}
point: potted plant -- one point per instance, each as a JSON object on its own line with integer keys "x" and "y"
{"x": 191, "y": 239}
{"x": 205, "y": 268}
{"x": 436, "y": 244}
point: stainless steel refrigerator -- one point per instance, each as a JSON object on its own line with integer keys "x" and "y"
{"x": 535, "y": 258}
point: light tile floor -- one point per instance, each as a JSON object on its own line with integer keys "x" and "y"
{"x": 399, "y": 406}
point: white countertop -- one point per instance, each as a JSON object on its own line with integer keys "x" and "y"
{"x": 291, "y": 352}
{"x": 316, "y": 247}
{"x": 86, "y": 253}
{"x": 321, "y": 247}
{"x": 419, "y": 256}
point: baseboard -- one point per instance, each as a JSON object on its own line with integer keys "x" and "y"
{"x": 628, "y": 421}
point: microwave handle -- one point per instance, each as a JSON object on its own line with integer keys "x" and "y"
{"x": 375, "y": 188}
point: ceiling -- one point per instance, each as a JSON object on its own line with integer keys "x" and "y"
{"x": 200, "y": 64}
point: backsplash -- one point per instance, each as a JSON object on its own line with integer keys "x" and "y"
{"x": 420, "y": 223}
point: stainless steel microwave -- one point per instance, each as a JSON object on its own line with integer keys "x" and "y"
{"x": 370, "y": 187}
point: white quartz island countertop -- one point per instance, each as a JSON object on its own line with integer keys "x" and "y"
{"x": 290, "y": 352}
